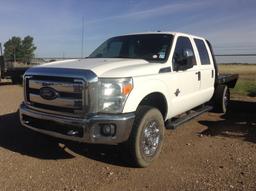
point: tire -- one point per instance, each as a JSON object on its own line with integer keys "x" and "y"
{"x": 147, "y": 136}
{"x": 221, "y": 98}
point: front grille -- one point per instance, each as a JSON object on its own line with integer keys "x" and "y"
{"x": 69, "y": 94}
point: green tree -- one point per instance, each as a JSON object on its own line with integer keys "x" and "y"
{"x": 27, "y": 49}
{"x": 16, "y": 49}
{"x": 12, "y": 49}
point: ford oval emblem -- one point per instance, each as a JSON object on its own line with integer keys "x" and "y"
{"x": 48, "y": 93}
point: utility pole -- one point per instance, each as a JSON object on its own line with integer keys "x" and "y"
{"x": 1, "y": 49}
{"x": 14, "y": 54}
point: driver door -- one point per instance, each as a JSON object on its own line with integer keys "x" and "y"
{"x": 186, "y": 77}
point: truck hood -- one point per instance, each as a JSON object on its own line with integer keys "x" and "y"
{"x": 109, "y": 67}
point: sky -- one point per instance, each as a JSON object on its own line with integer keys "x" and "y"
{"x": 56, "y": 25}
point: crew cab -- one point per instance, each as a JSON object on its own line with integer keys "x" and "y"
{"x": 127, "y": 92}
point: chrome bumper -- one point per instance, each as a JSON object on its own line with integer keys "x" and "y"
{"x": 89, "y": 128}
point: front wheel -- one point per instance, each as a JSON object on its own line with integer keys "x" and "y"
{"x": 147, "y": 136}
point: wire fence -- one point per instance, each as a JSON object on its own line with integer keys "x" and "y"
{"x": 220, "y": 58}
{"x": 236, "y": 58}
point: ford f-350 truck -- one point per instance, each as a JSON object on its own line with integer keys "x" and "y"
{"x": 128, "y": 91}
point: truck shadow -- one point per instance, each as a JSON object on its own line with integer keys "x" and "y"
{"x": 238, "y": 122}
{"x": 26, "y": 142}
{"x": 111, "y": 154}
{"x": 17, "y": 139}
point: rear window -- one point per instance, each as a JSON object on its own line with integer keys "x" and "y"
{"x": 203, "y": 53}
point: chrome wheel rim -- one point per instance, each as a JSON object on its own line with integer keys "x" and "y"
{"x": 225, "y": 99}
{"x": 150, "y": 138}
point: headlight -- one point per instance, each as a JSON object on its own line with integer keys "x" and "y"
{"x": 113, "y": 94}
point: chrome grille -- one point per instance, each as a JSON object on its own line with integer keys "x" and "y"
{"x": 70, "y": 99}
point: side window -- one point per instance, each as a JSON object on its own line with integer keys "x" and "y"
{"x": 203, "y": 53}
{"x": 183, "y": 54}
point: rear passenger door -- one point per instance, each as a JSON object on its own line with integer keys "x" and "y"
{"x": 206, "y": 68}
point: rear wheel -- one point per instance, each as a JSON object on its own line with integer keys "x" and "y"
{"x": 221, "y": 98}
{"x": 147, "y": 136}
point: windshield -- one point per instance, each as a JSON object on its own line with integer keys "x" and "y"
{"x": 151, "y": 47}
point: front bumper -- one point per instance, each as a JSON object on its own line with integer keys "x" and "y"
{"x": 88, "y": 129}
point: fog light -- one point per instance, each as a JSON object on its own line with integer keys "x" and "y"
{"x": 108, "y": 129}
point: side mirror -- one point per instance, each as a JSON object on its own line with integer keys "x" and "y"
{"x": 186, "y": 60}
{"x": 187, "y": 53}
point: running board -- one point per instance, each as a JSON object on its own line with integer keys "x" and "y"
{"x": 174, "y": 123}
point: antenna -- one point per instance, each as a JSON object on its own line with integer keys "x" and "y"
{"x": 82, "y": 47}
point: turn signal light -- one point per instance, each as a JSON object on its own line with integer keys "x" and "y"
{"x": 127, "y": 89}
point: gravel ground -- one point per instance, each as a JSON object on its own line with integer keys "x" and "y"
{"x": 212, "y": 152}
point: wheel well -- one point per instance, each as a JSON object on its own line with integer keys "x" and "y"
{"x": 156, "y": 100}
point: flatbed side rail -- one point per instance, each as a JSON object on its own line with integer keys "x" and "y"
{"x": 227, "y": 79}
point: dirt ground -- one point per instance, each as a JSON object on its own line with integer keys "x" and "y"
{"x": 212, "y": 152}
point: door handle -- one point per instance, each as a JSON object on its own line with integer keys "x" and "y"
{"x": 198, "y": 75}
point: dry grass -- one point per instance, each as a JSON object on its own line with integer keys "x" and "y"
{"x": 245, "y": 71}
{"x": 246, "y": 84}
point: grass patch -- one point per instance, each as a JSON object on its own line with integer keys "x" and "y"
{"x": 245, "y": 87}
{"x": 246, "y": 84}
{"x": 252, "y": 92}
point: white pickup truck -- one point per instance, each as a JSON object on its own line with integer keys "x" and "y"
{"x": 129, "y": 90}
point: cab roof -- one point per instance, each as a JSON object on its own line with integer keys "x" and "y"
{"x": 163, "y": 32}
